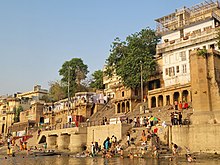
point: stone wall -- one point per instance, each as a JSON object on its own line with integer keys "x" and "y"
{"x": 100, "y": 133}
{"x": 204, "y": 138}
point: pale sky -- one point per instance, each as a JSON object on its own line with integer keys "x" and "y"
{"x": 38, "y": 36}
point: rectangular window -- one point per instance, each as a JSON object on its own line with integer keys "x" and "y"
{"x": 177, "y": 69}
{"x": 207, "y": 28}
{"x": 184, "y": 68}
{"x": 183, "y": 56}
{"x": 195, "y": 32}
{"x": 167, "y": 71}
{"x": 171, "y": 71}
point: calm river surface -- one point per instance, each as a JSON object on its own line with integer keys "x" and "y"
{"x": 64, "y": 160}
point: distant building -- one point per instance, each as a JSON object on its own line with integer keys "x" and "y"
{"x": 36, "y": 94}
{"x": 29, "y": 101}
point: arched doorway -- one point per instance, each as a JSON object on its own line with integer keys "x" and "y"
{"x": 118, "y": 108}
{"x": 185, "y": 96}
{"x": 176, "y": 96}
{"x": 127, "y": 106}
{"x": 123, "y": 107}
{"x": 160, "y": 101}
{"x": 168, "y": 100}
{"x": 43, "y": 139}
{"x": 153, "y": 102}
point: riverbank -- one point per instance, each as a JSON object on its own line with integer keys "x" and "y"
{"x": 198, "y": 156}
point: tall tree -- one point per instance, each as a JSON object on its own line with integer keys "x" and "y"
{"x": 56, "y": 91}
{"x": 127, "y": 57}
{"x": 17, "y": 112}
{"x": 73, "y": 71}
{"x": 97, "y": 80}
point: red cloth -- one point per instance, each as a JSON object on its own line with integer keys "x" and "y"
{"x": 180, "y": 105}
{"x": 155, "y": 130}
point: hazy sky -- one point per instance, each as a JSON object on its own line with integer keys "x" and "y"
{"x": 38, "y": 36}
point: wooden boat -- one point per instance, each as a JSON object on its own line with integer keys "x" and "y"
{"x": 46, "y": 153}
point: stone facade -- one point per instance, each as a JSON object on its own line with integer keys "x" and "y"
{"x": 205, "y": 86}
{"x": 8, "y": 106}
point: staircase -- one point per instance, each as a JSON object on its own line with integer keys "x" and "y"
{"x": 139, "y": 149}
{"x": 107, "y": 111}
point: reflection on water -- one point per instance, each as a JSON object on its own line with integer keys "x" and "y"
{"x": 55, "y": 160}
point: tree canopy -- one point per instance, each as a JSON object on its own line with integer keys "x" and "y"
{"x": 126, "y": 57}
{"x": 97, "y": 80}
{"x": 56, "y": 91}
{"x": 73, "y": 71}
{"x": 17, "y": 112}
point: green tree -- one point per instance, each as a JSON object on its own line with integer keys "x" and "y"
{"x": 17, "y": 113}
{"x": 56, "y": 91}
{"x": 97, "y": 80}
{"x": 126, "y": 57}
{"x": 73, "y": 71}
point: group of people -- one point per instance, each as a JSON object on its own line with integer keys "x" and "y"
{"x": 176, "y": 118}
{"x": 110, "y": 147}
{"x": 180, "y": 105}
{"x": 177, "y": 149}
{"x": 147, "y": 121}
{"x": 104, "y": 121}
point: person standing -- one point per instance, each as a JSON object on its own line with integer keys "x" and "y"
{"x": 176, "y": 105}
{"x": 180, "y": 106}
{"x": 92, "y": 149}
{"x": 135, "y": 121}
{"x": 172, "y": 118}
{"x": 176, "y": 118}
{"x": 141, "y": 121}
{"x": 105, "y": 120}
{"x": 128, "y": 138}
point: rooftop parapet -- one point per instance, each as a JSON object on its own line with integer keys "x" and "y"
{"x": 186, "y": 16}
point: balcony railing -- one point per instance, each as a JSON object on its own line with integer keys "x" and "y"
{"x": 191, "y": 40}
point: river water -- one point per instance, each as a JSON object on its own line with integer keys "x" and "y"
{"x": 64, "y": 160}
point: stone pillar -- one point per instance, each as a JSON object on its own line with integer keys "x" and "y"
{"x": 52, "y": 141}
{"x": 63, "y": 141}
{"x": 156, "y": 100}
{"x": 130, "y": 108}
{"x": 164, "y": 100}
{"x": 171, "y": 98}
{"x": 181, "y": 96}
{"x": 189, "y": 98}
{"x": 149, "y": 102}
{"x": 76, "y": 142}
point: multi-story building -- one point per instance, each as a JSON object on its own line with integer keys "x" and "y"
{"x": 9, "y": 105}
{"x": 183, "y": 34}
{"x": 36, "y": 94}
{"x": 183, "y": 31}
{"x": 125, "y": 99}
{"x": 64, "y": 113}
